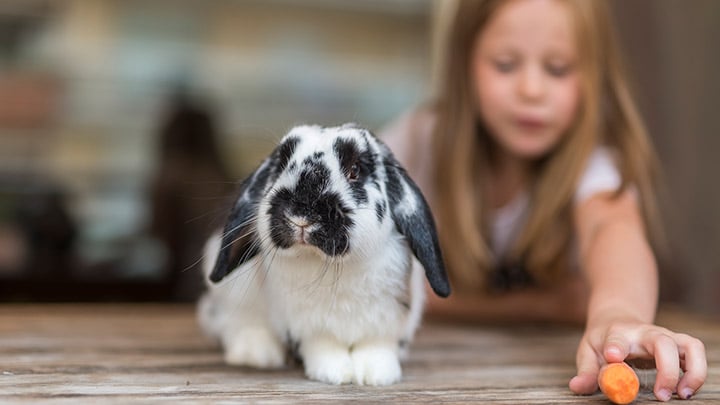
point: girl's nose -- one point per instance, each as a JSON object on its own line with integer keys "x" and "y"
{"x": 531, "y": 83}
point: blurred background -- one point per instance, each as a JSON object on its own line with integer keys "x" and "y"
{"x": 123, "y": 125}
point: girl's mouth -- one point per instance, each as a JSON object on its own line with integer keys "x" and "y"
{"x": 531, "y": 124}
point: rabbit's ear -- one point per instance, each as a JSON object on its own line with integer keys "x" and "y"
{"x": 239, "y": 239}
{"x": 414, "y": 220}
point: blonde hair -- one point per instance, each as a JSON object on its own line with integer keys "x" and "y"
{"x": 607, "y": 115}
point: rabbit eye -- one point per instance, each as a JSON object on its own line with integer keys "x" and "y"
{"x": 354, "y": 172}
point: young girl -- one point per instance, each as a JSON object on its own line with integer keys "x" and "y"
{"x": 540, "y": 175}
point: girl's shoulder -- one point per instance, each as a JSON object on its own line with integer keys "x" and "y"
{"x": 601, "y": 174}
{"x": 409, "y": 136}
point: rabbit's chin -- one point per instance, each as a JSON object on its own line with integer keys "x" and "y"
{"x": 304, "y": 250}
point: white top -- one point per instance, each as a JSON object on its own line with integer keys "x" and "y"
{"x": 410, "y": 140}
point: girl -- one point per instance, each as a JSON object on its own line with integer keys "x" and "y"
{"x": 540, "y": 174}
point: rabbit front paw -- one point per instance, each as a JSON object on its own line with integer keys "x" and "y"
{"x": 327, "y": 361}
{"x": 375, "y": 365}
{"x": 254, "y": 347}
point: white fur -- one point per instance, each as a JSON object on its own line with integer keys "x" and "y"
{"x": 234, "y": 312}
{"x": 344, "y": 312}
{"x": 348, "y": 322}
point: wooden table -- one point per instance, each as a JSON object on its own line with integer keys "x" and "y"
{"x": 144, "y": 353}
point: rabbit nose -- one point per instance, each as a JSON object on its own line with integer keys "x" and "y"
{"x": 300, "y": 222}
{"x": 303, "y": 228}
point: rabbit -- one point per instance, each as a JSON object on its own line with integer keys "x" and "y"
{"x": 316, "y": 260}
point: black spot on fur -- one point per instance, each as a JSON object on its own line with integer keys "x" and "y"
{"x": 333, "y": 235}
{"x": 380, "y": 210}
{"x": 314, "y": 178}
{"x": 285, "y": 152}
{"x": 347, "y": 152}
{"x": 393, "y": 184}
{"x": 280, "y": 231}
{"x": 357, "y": 163}
{"x": 311, "y": 200}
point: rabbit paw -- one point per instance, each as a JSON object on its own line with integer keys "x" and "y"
{"x": 375, "y": 365}
{"x": 255, "y": 347}
{"x": 327, "y": 361}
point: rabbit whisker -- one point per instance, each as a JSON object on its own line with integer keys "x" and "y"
{"x": 254, "y": 267}
{"x": 242, "y": 236}
{"x": 261, "y": 267}
{"x": 266, "y": 268}
{"x": 199, "y": 182}
{"x": 207, "y": 214}
{"x": 312, "y": 286}
{"x": 253, "y": 245}
{"x": 240, "y": 225}
{"x": 203, "y": 256}
{"x": 244, "y": 272}
{"x": 337, "y": 264}
{"x": 193, "y": 264}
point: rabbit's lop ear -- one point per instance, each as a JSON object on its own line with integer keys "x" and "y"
{"x": 414, "y": 220}
{"x": 239, "y": 238}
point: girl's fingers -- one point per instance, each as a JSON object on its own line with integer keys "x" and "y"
{"x": 670, "y": 351}
{"x": 585, "y": 382}
{"x": 692, "y": 351}
{"x": 667, "y": 360}
{"x": 616, "y": 347}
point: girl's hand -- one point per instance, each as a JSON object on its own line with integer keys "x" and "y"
{"x": 670, "y": 351}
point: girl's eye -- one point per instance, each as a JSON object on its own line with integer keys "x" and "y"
{"x": 354, "y": 172}
{"x": 504, "y": 66}
{"x": 558, "y": 70}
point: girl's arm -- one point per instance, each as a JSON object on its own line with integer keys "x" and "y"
{"x": 623, "y": 279}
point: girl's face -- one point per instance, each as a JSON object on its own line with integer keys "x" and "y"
{"x": 525, "y": 76}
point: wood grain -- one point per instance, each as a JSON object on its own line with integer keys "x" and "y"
{"x": 156, "y": 354}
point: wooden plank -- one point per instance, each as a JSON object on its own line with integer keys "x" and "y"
{"x": 155, "y": 353}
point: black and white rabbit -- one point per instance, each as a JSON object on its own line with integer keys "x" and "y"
{"x": 316, "y": 259}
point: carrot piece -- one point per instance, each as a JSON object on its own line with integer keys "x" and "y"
{"x": 619, "y": 383}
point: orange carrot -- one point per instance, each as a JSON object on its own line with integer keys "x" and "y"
{"x": 619, "y": 383}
